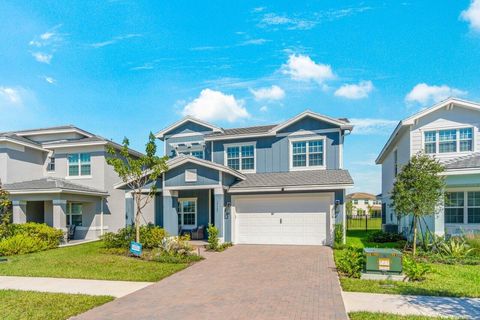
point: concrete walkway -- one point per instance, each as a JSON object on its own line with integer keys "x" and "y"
{"x": 465, "y": 308}
{"x": 92, "y": 287}
{"x": 243, "y": 282}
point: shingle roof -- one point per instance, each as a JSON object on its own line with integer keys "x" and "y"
{"x": 245, "y": 130}
{"x": 50, "y": 184}
{"x": 470, "y": 161}
{"x": 361, "y": 195}
{"x": 13, "y": 136}
{"x": 295, "y": 178}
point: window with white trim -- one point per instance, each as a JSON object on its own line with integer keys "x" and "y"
{"x": 197, "y": 153}
{"x": 308, "y": 153}
{"x": 395, "y": 162}
{"x": 79, "y": 164}
{"x": 74, "y": 214}
{"x": 448, "y": 140}
{"x": 473, "y": 207}
{"x": 241, "y": 157}
{"x": 51, "y": 164}
{"x": 187, "y": 213}
{"x": 454, "y": 207}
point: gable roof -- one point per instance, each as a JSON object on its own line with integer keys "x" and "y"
{"x": 182, "y": 159}
{"x": 361, "y": 195}
{"x": 161, "y": 134}
{"x": 51, "y": 185}
{"x": 405, "y": 123}
{"x": 271, "y": 130}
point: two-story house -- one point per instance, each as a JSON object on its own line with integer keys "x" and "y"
{"x": 59, "y": 176}
{"x": 274, "y": 184}
{"x": 448, "y": 131}
{"x": 364, "y": 203}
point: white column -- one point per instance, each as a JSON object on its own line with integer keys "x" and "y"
{"x": 219, "y": 210}
{"x": 19, "y": 211}
{"x": 60, "y": 214}
{"x": 101, "y": 216}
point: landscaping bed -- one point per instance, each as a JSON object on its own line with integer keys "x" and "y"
{"x": 452, "y": 279}
{"x": 16, "y": 304}
{"x": 387, "y": 316}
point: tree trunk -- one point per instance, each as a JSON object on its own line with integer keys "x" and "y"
{"x": 414, "y": 235}
{"x": 137, "y": 220}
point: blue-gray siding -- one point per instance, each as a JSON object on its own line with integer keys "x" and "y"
{"x": 205, "y": 176}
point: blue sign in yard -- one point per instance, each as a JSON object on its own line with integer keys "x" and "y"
{"x": 136, "y": 248}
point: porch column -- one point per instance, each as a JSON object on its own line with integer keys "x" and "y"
{"x": 219, "y": 205}
{"x": 170, "y": 215}
{"x": 59, "y": 214}
{"x": 19, "y": 211}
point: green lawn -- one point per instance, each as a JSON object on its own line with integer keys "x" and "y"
{"x": 358, "y": 238}
{"x": 87, "y": 261}
{"x": 444, "y": 280}
{"x": 40, "y": 305}
{"x": 386, "y": 316}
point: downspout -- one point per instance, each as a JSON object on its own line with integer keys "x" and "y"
{"x": 101, "y": 217}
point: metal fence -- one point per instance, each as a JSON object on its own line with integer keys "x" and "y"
{"x": 364, "y": 222}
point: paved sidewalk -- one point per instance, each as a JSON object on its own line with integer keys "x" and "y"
{"x": 243, "y": 282}
{"x": 468, "y": 308}
{"x": 92, "y": 287}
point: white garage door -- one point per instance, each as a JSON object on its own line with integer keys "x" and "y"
{"x": 285, "y": 219}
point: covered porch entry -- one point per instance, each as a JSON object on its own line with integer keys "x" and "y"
{"x": 58, "y": 206}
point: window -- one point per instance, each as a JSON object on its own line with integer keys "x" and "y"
{"x": 74, "y": 214}
{"x": 446, "y": 141}
{"x": 308, "y": 153}
{"x": 466, "y": 138}
{"x": 430, "y": 142}
{"x": 241, "y": 157}
{"x": 51, "y": 164}
{"x": 473, "y": 202}
{"x": 79, "y": 164}
{"x": 355, "y": 201}
{"x": 187, "y": 212}
{"x": 454, "y": 206}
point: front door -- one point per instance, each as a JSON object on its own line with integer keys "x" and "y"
{"x": 187, "y": 213}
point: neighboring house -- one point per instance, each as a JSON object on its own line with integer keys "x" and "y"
{"x": 448, "y": 131}
{"x": 275, "y": 184}
{"x": 364, "y": 203}
{"x": 59, "y": 176}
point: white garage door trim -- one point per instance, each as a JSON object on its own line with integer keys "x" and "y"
{"x": 290, "y": 219}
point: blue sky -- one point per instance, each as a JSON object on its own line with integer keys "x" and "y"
{"x": 124, "y": 68}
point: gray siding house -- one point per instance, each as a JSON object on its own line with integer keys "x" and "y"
{"x": 275, "y": 184}
{"x": 59, "y": 176}
{"x": 450, "y": 132}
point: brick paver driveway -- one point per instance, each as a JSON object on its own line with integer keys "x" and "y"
{"x": 244, "y": 282}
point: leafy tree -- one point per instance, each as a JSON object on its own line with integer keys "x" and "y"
{"x": 137, "y": 172}
{"x": 5, "y": 212}
{"x": 418, "y": 190}
{"x": 349, "y": 208}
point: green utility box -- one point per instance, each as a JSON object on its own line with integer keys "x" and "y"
{"x": 383, "y": 261}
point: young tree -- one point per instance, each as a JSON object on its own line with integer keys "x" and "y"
{"x": 137, "y": 172}
{"x": 418, "y": 190}
{"x": 349, "y": 208}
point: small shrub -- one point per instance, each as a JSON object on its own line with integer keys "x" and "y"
{"x": 51, "y": 236}
{"x": 21, "y": 244}
{"x": 176, "y": 246}
{"x": 159, "y": 256}
{"x": 455, "y": 248}
{"x": 350, "y": 262}
{"x": 212, "y": 238}
{"x": 473, "y": 240}
{"x": 150, "y": 237}
{"x": 382, "y": 237}
{"x": 414, "y": 270}
{"x": 338, "y": 234}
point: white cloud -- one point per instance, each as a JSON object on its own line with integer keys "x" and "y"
{"x": 10, "y": 96}
{"x": 42, "y": 57}
{"x": 114, "y": 40}
{"x": 270, "y": 93}
{"x": 424, "y": 93}
{"x": 355, "y": 91}
{"x": 253, "y": 42}
{"x": 51, "y": 38}
{"x": 367, "y": 126}
{"x": 303, "y": 68}
{"x": 472, "y": 15}
{"x": 263, "y": 109}
{"x": 273, "y": 19}
{"x": 49, "y": 79}
{"x": 214, "y": 105}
